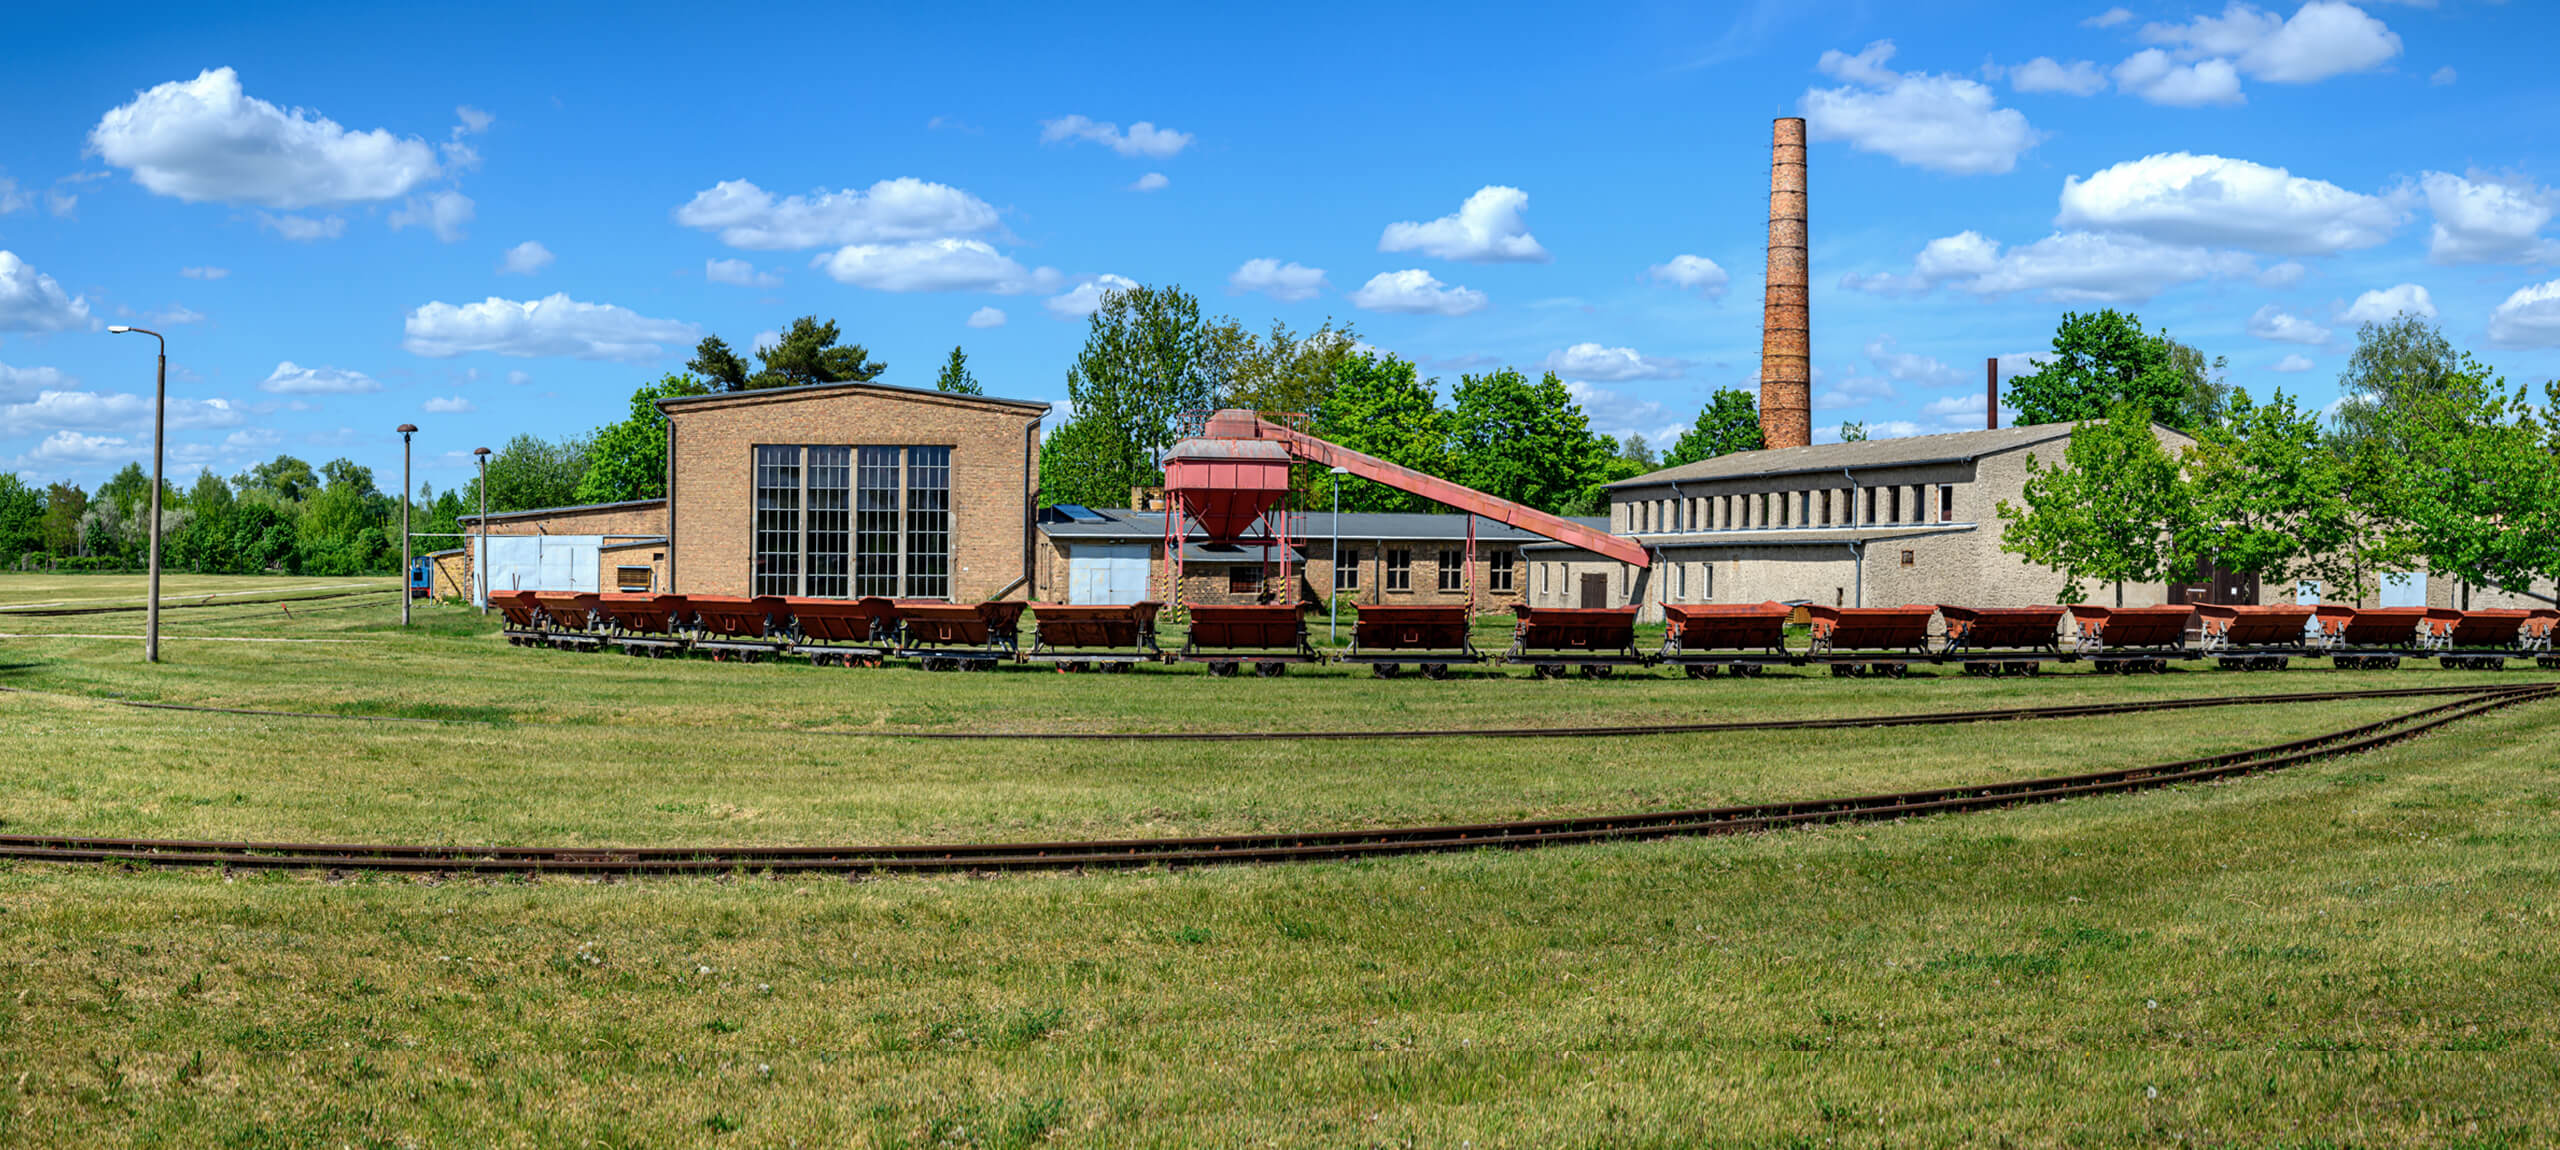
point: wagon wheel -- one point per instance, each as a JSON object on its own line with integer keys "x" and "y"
{"x": 1118, "y": 668}
{"x": 1385, "y": 670}
{"x": 1597, "y": 670}
{"x": 1435, "y": 670}
{"x": 1701, "y": 671}
{"x": 1222, "y": 670}
{"x": 1549, "y": 671}
{"x": 1271, "y": 670}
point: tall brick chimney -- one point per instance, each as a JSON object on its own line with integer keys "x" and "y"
{"x": 1786, "y": 326}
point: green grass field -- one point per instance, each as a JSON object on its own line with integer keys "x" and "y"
{"x": 2353, "y": 953}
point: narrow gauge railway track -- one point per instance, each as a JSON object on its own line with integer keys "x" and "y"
{"x": 170, "y": 603}
{"x": 1312, "y": 846}
{"x": 1622, "y": 730}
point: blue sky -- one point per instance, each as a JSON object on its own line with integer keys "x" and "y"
{"x": 494, "y": 219}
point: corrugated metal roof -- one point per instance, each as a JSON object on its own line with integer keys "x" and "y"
{"x": 808, "y": 388}
{"x": 1910, "y": 451}
{"x": 542, "y": 512}
{"x": 1122, "y": 523}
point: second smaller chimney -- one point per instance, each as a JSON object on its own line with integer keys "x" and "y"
{"x": 1991, "y": 398}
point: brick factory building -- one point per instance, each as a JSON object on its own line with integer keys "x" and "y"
{"x": 1116, "y": 555}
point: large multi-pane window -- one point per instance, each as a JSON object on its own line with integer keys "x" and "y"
{"x": 1346, "y": 574}
{"x": 1453, "y": 571}
{"x": 838, "y": 522}
{"x": 875, "y": 522}
{"x": 1399, "y": 569}
{"x": 928, "y": 523}
{"x": 1498, "y": 570}
{"x": 830, "y": 520}
{"x": 777, "y": 554}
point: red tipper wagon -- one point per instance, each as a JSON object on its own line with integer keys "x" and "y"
{"x": 1090, "y": 636}
{"x": 2131, "y": 638}
{"x": 1270, "y": 636}
{"x": 650, "y": 625}
{"x": 1870, "y": 640}
{"x": 1742, "y": 637}
{"x": 572, "y": 618}
{"x": 2001, "y": 640}
{"x": 1595, "y": 640}
{"x": 842, "y": 632}
{"x": 523, "y": 622}
{"x": 957, "y": 636}
{"x": 2255, "y": 638}
{"x": 741, "y": 627}
{"x": 1390, "y": 638}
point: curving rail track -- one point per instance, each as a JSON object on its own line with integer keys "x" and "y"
{"x": 1272, "y": 848}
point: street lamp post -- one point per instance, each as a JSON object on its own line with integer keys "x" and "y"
{"x": 480, "y": 549}
{"x": 159, "y": 428}
{"x": 406, "y": 430}
{"x": 1333, "y": 601}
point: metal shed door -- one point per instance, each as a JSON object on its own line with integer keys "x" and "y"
{"x": 2407, "y": 589}
{"x": 542, "y": 562}
{"x": 1112, "y": 574}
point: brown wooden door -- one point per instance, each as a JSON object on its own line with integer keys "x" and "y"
{"x": 2218, "y": 585}
{"x": 1595, "y": 590}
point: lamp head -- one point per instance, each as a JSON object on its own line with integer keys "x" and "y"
{"x": 1342, "y": 471}
{"x": 482, "y": 452}
{"x": 406, "y": 428}
{"x": 119, "y": 329}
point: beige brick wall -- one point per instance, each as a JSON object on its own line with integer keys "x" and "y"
{"x": 637, "y": 519}
{"x": 714, "y": 442}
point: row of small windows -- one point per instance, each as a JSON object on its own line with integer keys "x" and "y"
{"x": 1813, "y": 507}
{"x": 847, "y": 522}
{"x": 1396, "y": 571}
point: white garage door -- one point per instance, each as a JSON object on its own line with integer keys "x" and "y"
{"x": 542, "y": 562}
{"x": 2405, "y": 590}
{"x": 1107, "y": 573}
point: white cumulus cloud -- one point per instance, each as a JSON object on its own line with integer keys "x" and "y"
{"x": 447, "y": 405}
{"x": 70, "y": 448}
{"x": 2383, "y": 304}
{"x": 890, "y": 211}
{"x": 1910, "y": 366}
{"x": 445, "y": 213}
{"x": 290, "y": 378}
{"x": 17, "y": 383}
{"x": 525, "y": 259}
{"x": 2181, "y": 198}
{"x": 207, "y": 140}
{"x": 987, "y": 317}
{"x": 1611, "y": 364}
{"x": 303, "y": 229}
{"x": 110, "y": 411}
{"x": 1690, "y": 271}
{"x": 2046, "y": 74}
{"x": 2323, "y": 38}
{"x": 2153, "y": 76}
{"x": 1282, "y": 281}
{"x": 554, "y": 325}
{"x": 2275, "y": 323}
{"x": 1142, "y": 138}
{"x": 2485, "y": 219}
{"x": 1151, "y": 182}
{"x": 1944, "y": 123}
{"x": 2064, "y": 266}
{"x": 2292, "y": 363}
{"x": 1086, "y": 297}
{"x": 2108, "y": 19}
{"x": 32, "y": 301}
{"x": 1414, "y": 291}
{"x": 738, "y": 273}
{"x": 2529, "y": 318}
{"x": 1487, "y": 228}
{"x": 931, "y": 265}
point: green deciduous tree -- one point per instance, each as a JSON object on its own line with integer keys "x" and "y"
{"x": 64, "y": 504}
{"x": 628, "y": 460}
{"x": 284, "y": 477}
{"x": 2103, "y": 359}
{"x": 21, "y": 517}
{"x": 955, "y": 377}
{"x": 1730, "y": 422}
{"x": 1380, "y": 406}
{"x": 806, "y": 353}
{"x": 1148, "y": 356}
{"x": 532, "y": 472}
{"x": 2475, "y": 487}
{"x": 2273, "y": 501}
{"x": 1526, "y": 442}
{"x": 2112, "y": 511}
{"x": 1853, "y": 432}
